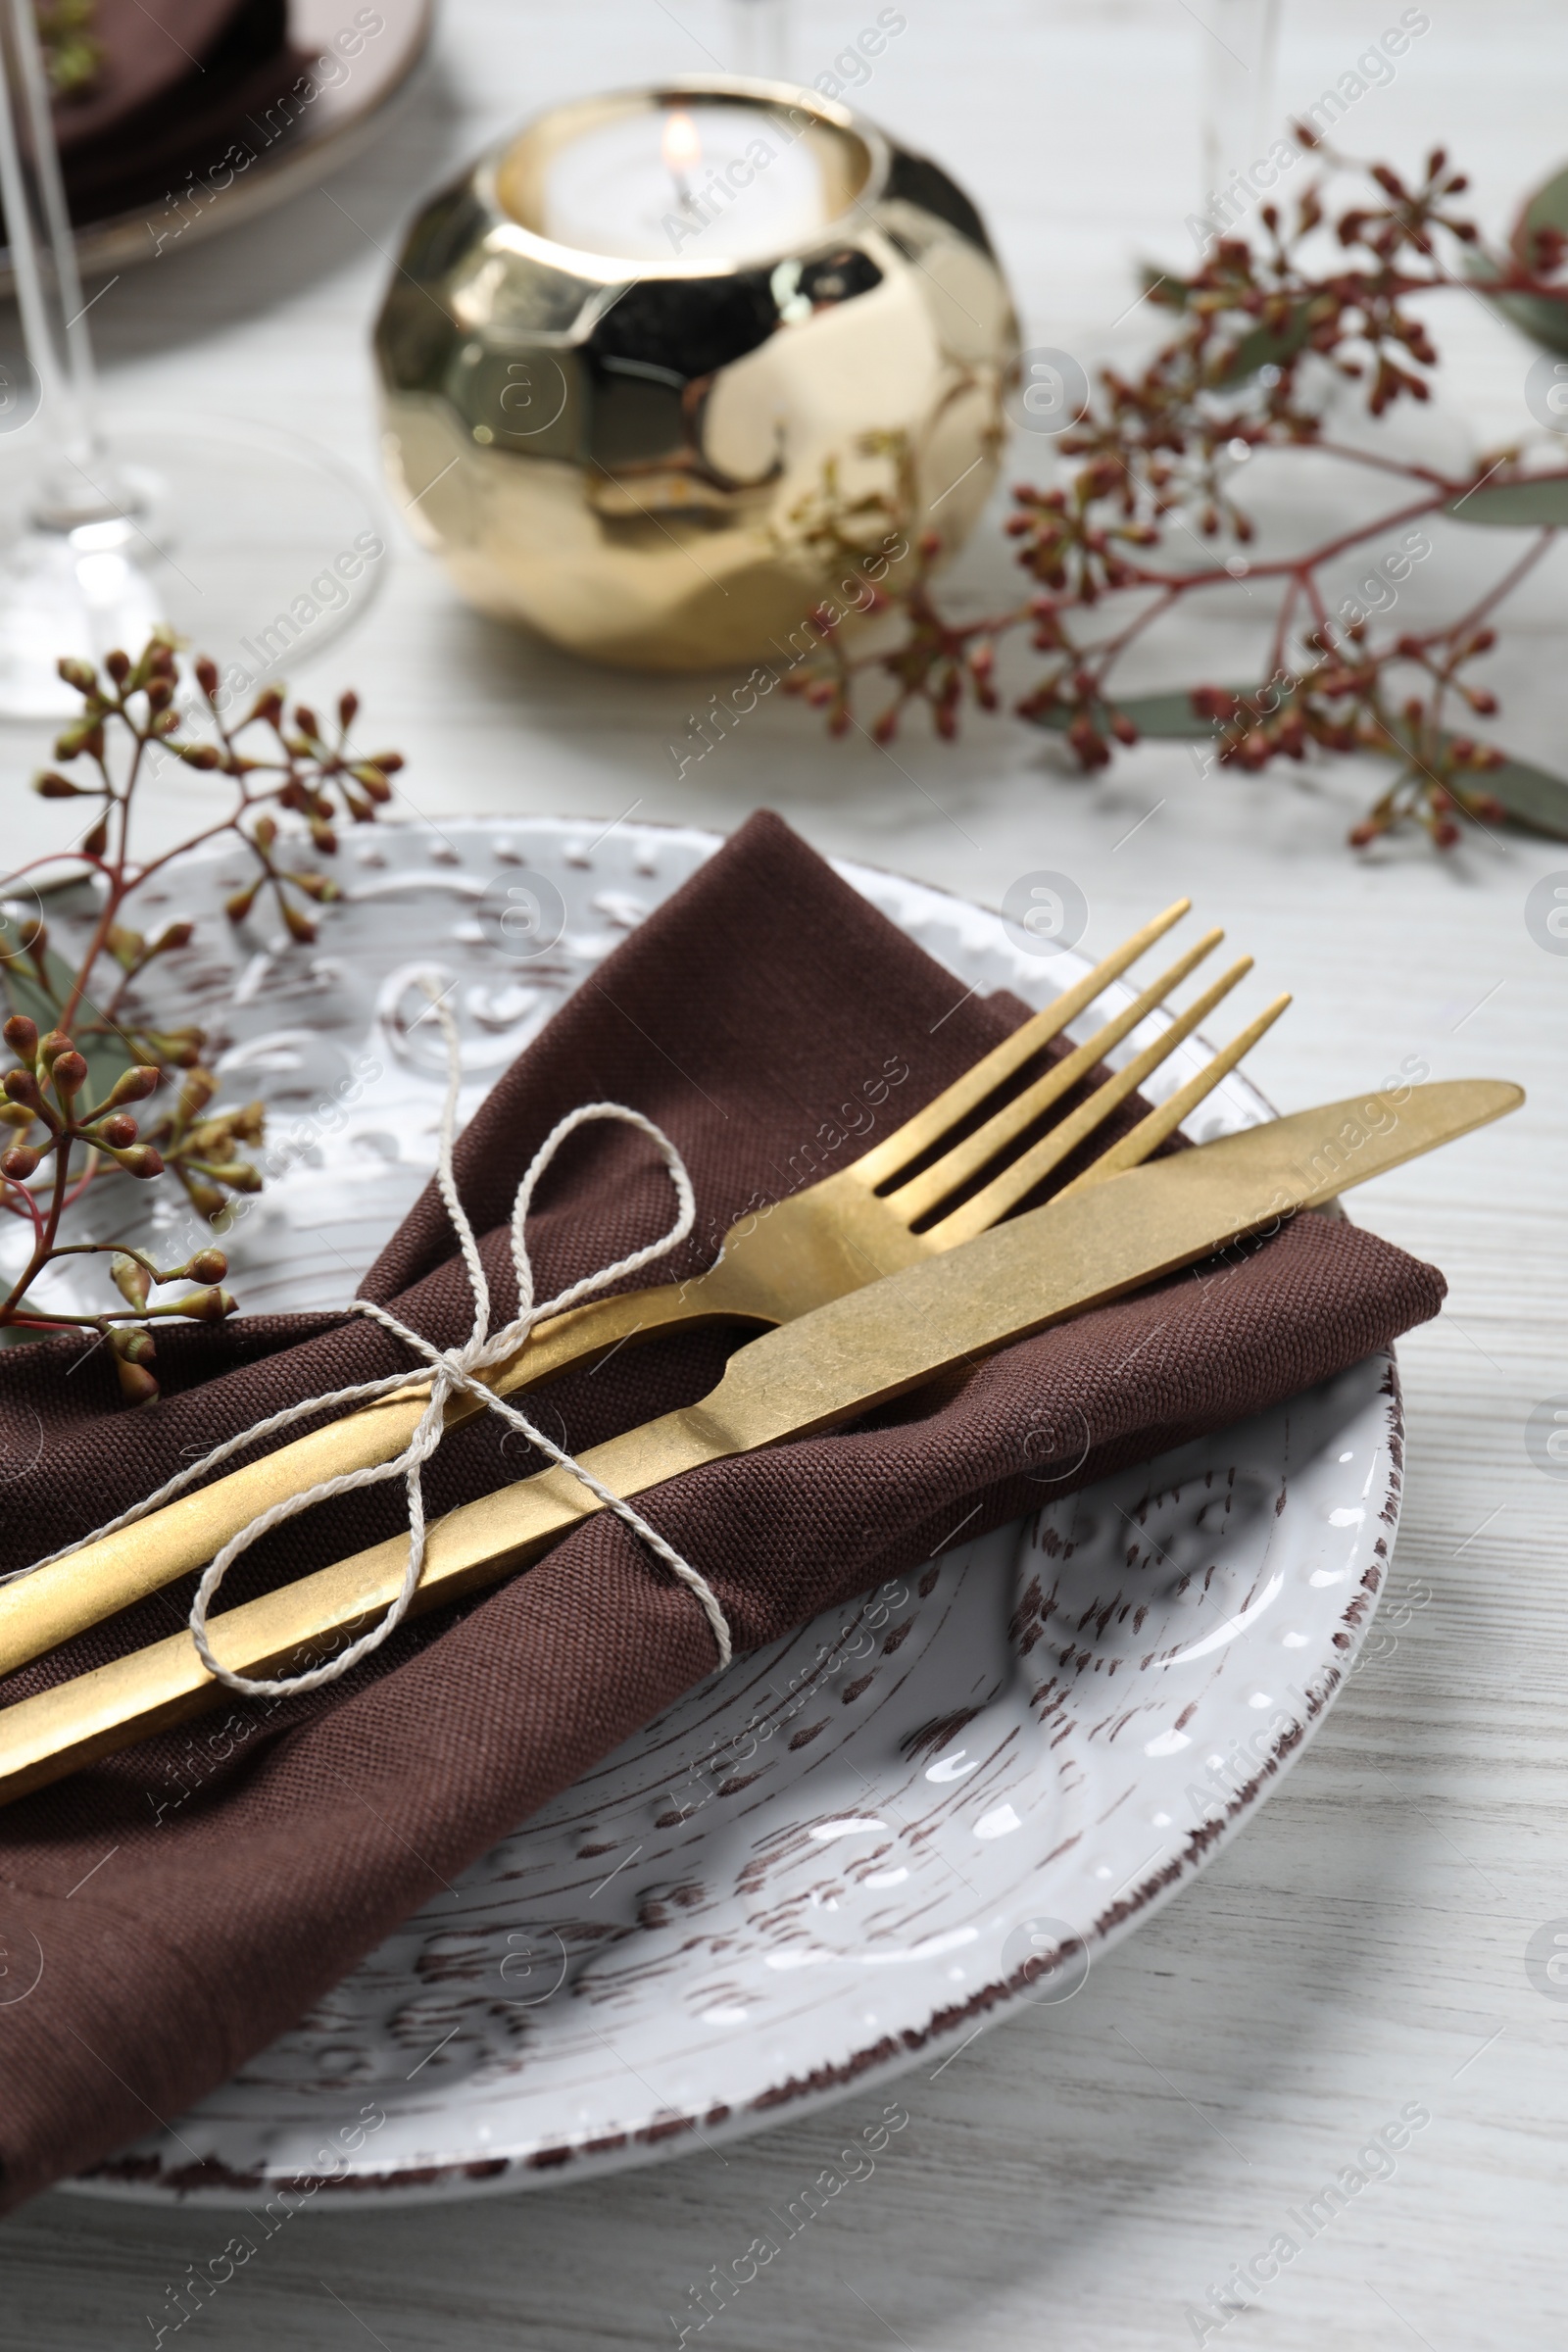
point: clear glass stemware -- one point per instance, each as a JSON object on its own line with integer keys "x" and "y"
{"x": 253, "y": 544}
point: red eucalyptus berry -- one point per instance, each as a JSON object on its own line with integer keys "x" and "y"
{"x": 139, "y": 1161}
{"x": 134, "y": 1352}
{"x": 206, "y": 1306}
{"x": 131, "y": 1280}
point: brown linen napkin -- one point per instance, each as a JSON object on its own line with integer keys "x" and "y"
{"x": 236, "y": 1872}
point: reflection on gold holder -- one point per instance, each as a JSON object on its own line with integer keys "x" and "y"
{"x": 620, "y": 453}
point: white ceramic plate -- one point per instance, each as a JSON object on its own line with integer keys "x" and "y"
{"x": 862, "y": 1844}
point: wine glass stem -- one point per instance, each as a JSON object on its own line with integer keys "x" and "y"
{"x": 74, "y": 484}
{"x": 1240, "y": 53}
{"x": 760, "y": 38}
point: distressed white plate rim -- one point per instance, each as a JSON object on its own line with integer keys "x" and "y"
{"x": 870, "y": 1840}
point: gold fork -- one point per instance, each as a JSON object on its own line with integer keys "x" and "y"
{"x": 888, "y": 1209}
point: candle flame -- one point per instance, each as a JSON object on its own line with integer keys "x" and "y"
{"x": 681, "y": 148}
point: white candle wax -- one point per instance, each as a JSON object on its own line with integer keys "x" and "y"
{"x": 701, "y": 182}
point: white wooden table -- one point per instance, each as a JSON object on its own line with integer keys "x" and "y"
{"x": 1081, "y": 2175}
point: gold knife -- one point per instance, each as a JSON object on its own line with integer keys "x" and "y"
{"x": 826, "y": 1367}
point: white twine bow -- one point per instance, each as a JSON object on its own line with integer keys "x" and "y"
{"x": 453, "y": 1369}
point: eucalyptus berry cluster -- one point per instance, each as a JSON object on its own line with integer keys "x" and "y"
{"x": 43, "y": 1092}
{"x": 45, "y": 1112}
{"x": 292, "y": 782}
{"x": 1147, "y": 494}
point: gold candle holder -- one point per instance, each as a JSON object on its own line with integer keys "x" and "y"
{"x": 666, "y": 457}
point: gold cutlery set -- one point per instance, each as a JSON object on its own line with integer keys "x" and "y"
{"x": 873, "y": 1281}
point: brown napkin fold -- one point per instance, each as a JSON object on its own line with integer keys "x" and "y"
{"x": 240, "y": 1867}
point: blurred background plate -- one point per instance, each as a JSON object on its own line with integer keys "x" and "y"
{"x": 295, "y": 142}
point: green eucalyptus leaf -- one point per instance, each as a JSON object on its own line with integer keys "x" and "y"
{"x": 1265, "y": 347}
{"x": 107, "y": 1057}
{"x": 1536, "y": 505}
{"x": 1545, "y": 323}
{"x": 1533, "y": 797}
{"x": 1174, "y": 292}
{"x": 1161, "y": 717}
{"x": 1548, "y": 208}
{"x": 1167, "y": 718}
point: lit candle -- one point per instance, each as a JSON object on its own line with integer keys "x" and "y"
{"x": 696, "y": 182}
{"x": 649, "y": 340}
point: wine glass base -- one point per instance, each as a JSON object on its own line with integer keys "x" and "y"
{"x": 256, "y": 547}
{"x": 77, "y": 593}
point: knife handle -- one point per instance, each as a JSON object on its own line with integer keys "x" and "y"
{"x": 60, "y": 1729}
{"x": 40, "y": 1611}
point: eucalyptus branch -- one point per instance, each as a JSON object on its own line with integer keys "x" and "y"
{"x": 296, "y": 769}
{"x": 1262, "y": 326}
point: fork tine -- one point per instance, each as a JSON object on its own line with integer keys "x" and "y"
{"x": 965, "y": 1094}
{"x": 1011, "y": 1184}
{"x": 966, "y": 1158}
{"x": 1145, "y": 1138}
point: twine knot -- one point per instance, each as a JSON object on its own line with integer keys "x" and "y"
{"x": 454, "y": 1369}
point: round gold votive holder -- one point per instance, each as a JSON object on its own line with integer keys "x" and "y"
{"x": 669, "y": 464}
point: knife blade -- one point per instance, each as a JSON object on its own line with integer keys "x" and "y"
{"x": 826, "y": 1367}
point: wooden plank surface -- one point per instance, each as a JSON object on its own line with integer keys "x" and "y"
{"x": 1081, "y": 2175}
